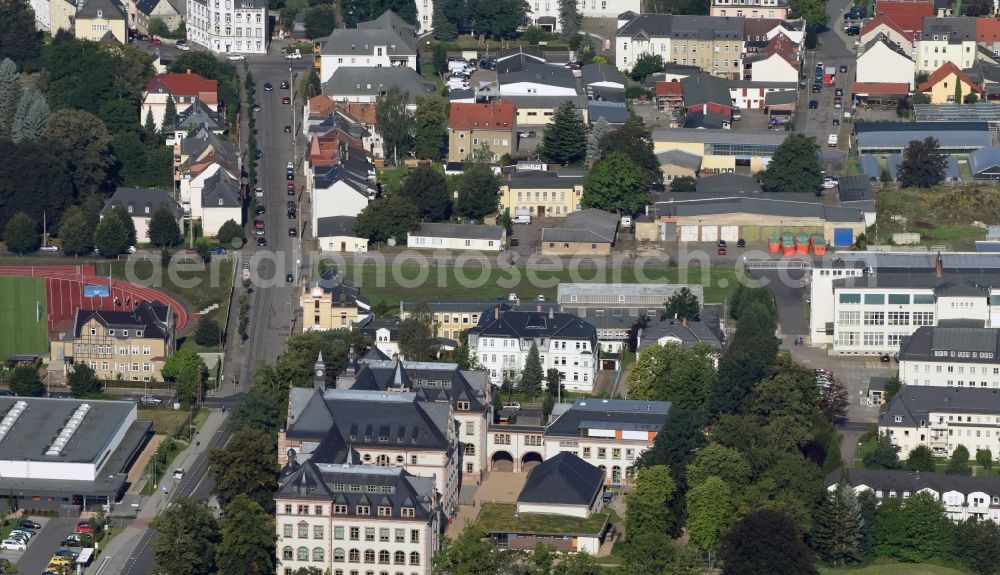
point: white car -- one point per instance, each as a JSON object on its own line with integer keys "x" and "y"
{"x": 829, "y": 183}
{"x": 296, "y": 55}
{"x": 236, "y": 57}
{"x": 13, "y": 544}
{"x": 49, "y": 248}
{"x": 150, "y": 400}
{"x": 179, "y": 473}
{"x": 183, "y": 47}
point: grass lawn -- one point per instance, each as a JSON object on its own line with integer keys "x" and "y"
{"x": 169, "y": 422}
{"x": 941, "y": 215}
{"x": 388, "y": 286}
{"x": 500, "y": 517}
{"x": 893, "y": 569}
{"x": 23, "y": 327}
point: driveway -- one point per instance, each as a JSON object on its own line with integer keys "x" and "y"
{"x": 45, "y": 544}
{"x": 789, "y": 297}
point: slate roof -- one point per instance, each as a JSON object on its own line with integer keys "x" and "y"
{"x": 585, "y": 226}
{"x": 897, "y": 135}
{"x": 679, "y": 158}
{"x": 984, "y": 159}
{"x": 539, "y": 74}
{"x": 904, "y": 480}
{"x": 564, "y": 479}
{"x": 461, "y": 231}
{"x": 698, "y": 120}
{"x": 141, "y": 198}
{"x": 357, "y": 81}
{"x": 428, "y": 381}
{"x": 705, "y": 89}
{"x": 728, "y": 183}
{"x": 221, "y": 191}
{"x": 957, "y": 29}
{"x": 374, "y": 487}
{"x": 151, "y": 318}
{"x": 389, "y": 20}
{"x": 914, "y": 403}
{"x": 590, "y": 413}
{"x": 854, "y": 188}
{"x": 333, "y": 282}
{"x": 326, "y": 176}
{"x": 199, "y": 114}
{"x": 613, "y": 112}
{"x": 779, "y": 97}
{"x": 761, "y": 206}
{"x": 534, "y": 324}
{"x": 335, "y": 226}
{"x": 109, "y": 9}
{"x": 387, "y": 30}
{"x": 689, "y": 334}
{"x": 923, "y": 344}
{"x": 593, "y": 73}
{"x": 679, "y": 26}
{"x": 542, "y": 179}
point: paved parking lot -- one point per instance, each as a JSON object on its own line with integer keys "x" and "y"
{"x": 44, "y": 544}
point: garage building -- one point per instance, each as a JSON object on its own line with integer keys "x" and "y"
{"x": 751, "y": 219}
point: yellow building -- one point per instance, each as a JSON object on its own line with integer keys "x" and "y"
{"x": 539, "y": 110}
{"x": 587, "y": 232}
{"x": 333, "y": 303}
{"x": 541, "y": 193}
{"x": 99, "y": 20}
{"x": 450, "y": 317}
{"x": 941, "y": 86}
{"x": 472, "y": 126}
{"x": 677, "y": 163}
{"x": 61, "y": 15}
{"x": 721, "y": 151}
{"x": 130, "y": 345}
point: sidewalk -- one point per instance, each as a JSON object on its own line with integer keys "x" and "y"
{"x": 115, "y": 556}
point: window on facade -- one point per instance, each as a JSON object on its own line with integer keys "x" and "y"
{"x": 384, "y": 511}
{"x": 355, "y": 533}
{"x": 399, "y": 558}
{"x": 302, "y": 554}
{"x": 369, "y": 555}
{"x": 338, "y": 555}
{"x": 414, "y": 536}
{"x": 400, "y": 535}
{"x": 338, "y": 532}
{"x": 303, "y": 530}
{"x": 317, "y": 531}
{"x": 363, "y": 510}
{"x": 414, "y": 558}
{"x": 340, "y": 510}
{"x": 317, "y": 554}
{"x": 383, "y": 557}
{"x": 354, "y": 556}
{"x": 287, "y": 553}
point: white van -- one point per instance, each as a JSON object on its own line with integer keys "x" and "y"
{"x": 832, "y": 140}
{"x": 522, "y": 220}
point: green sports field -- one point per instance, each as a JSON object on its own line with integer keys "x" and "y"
{"x": 22, "y": 329}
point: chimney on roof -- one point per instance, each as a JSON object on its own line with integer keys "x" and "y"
{"x": 552, "y": 314}
{"x": 496, "y": 312}
{"x": 939, "y": 266}
{"x": 538, "y": 308}
{"x": 395, "y": 359}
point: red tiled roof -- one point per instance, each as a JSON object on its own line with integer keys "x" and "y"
{"x": 898, "y": 7}
{"x": 499, "y": 114}
{"x": 189, "y": 84}
{"x": 987, "y": 30}
{"x": 945, "y": 71}
{"x": 909, "y": 25}
{"x": 325, "y": 150}
{"x": 783, "y": 46}
{"x": 895, "y": 88}
{"x": 322, "y": 106}
{"x": 669, "y": 89}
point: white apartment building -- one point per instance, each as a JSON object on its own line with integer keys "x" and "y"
{"x": 951, "y": 356}
{"x": 946, "y": 40}
{"x": 943, "y": 418}
{"x": 545, "y": 13}
{"x": 381, "y": 43}
{"x": 963, "y": 497}
{"x": 228, "y": 26}
{"x": 866, "y": 303}
{"x": 771, "y": 9}
{"x": 610, "y": 434}
{"x": 503, "y": 339}
{"x": 343, "y": 518}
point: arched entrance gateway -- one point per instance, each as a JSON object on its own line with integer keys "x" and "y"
{"x": 502, "y": 461}
{"x": 530, "y": 460}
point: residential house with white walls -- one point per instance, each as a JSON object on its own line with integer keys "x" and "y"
{"x": 946, "y": 40}
{"x": 385, "y": 42}
{"x": 883, "y": 61}
{"x": 752, "y": 9}
{"x": 367, "y": 85}
{"x": 339, "y": 177}
{"x": 503, "y": 338}
{"x": 955, "y": 353}
{"x": 461, "y": 237}
{"x": 942, "y": 418}
{"x": 141, "y": 204}
{"x": 228, "y": 26}
{"x": 185, "y": 89}
{"x": 964, "y": 497}
{"x": 545, "y": 13}
{"x": 210, "y": 183}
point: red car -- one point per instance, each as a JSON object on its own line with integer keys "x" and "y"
{"x": 155, "y": 40}
{"x": 286, "y": 100}
{"x": 84, "y": 527}
{"x": 291, "y": 188}
{"x": 721, "y": 251}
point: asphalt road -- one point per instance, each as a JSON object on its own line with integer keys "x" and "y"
{"x": 36, "y": 557}
{"x": 789, "y": 297}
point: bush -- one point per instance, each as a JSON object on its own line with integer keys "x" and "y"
{"x": 207, "y": 333}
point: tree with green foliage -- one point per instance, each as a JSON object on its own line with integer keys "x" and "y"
{"x": 672, "y": 372}
{"x": 680, "y": 437}
{"x": 189, "y": 372}
{"x": 265, "y": 406}
{"x": 868, "y": 512}
{"x": 616, "y": 184}
{"x": 207, "y": 332}
{"x": 565, "y": 139}
{"x": 247, "y": 533}
{"x": 751, "y": 353}
{"x": 163, "y": 228}
{"x": 499, "y": 19}
{"x": 469, "y": 554}
{"x": 387, "y": 217}
{"x": 984, "y": 457}
{"x": 554, "y": 381}
{"x": 597, "y": 131}
{"x": 715, "y": 460}
{"x": 711, "y": 509}
{"x": 111, "y": 236}
{"x": 914, "y": 530}
{"x": 884, "y": 456}
{"x": 569, "y": 19}
{"x": 974, "y": 543}
{"x": 837, "y": 530}
{"x": 794, "y": 167}
{"x": 923, "y": 164}
{"x": 834, "y": 400}
{"x": 683, "y": 305}
{"x": 83, "y": 381}
{"x": 958, "y": 464}
{"x": 920, "y": 458}
{"x": 21, "y": 234}
{"x": 427, "y": 189}
{"x": 394, "y": 122}
{"x": 634, "y": 141}
{"x": 75, "y": 232}
{"x": 430, "y": 123}
{"x": 25, "y": 382}
{"x": 647, "y": 511}
{"x": 531, "y": 374}
{"x": 684, "y": 185}
{"x": 646, "y": 65}
{"x": 247, "y": 465}
{"x": 445, "y": 30}
{"x": 169, "y": 114}
{"x": 31, "y": 115}
{"x": 20, "y": 40}
{"x": 85, "y": 143}
{"x": 766, "y": 541}
{"x": 891, "y": 388}
{"x": 10, "y": 94}
{"x": 478, "y": 191}
{"x": 652, "y": 553}
{"x": 187, "y": 535}
{"x": 230, "y": 234}
{"x": 301, "y": 350}
{"x": 418, "y": 335}
{"x": 320, "y": 21}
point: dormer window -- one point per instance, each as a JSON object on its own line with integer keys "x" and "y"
{"x": 100, "y": 13}
{"x": 363, "y": 510}
{"x": 131, "y": 209}
{"x": 384, "y": 511}
{"x": 111, "y": 332}
{"x": 138, "y": 333}
{"x": 124, "y": 333}
{"x": 463, "y": 405}
{"x": 407, "y": 512}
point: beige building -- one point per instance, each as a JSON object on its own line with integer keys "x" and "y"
{"x": 587, "y": 232}
{"x": 62, "y": 14}
{"x": 539, "y": 110}
{"x": 942, "y": 418}
{"x": 332, "y": 303}
{"x": 541, "y": 193}
{"x": 101, "y": 20}
{"x": 473, "y": 126}
{"x": 712, "y": 43}
{"x": 678, "y": 163}
{"x": 450, "y": 317}
{"x": 771, "y": 9}
{"x": 128, "y": 345}
{"x": 721, "y": 151}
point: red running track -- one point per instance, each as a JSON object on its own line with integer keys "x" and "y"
{"x": 64, "y": 292}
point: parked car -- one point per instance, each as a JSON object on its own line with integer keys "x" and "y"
{"x": 182, "y": 46}
{"x": 30, "y": 524}
{"x": 69, "y": 543}
{"x": 286, "y": 100}
{"x": 236, "y": 57}
{"x": 513, "y": 404}
{"x": 817, "y": 88}
{"x": 514, "y": 242}
{"x": 291, "y": 188}
{"x": 843, "y": 68}
{"x": 288, "y": 129}
{"x": 259, "y": 209}
{"x": 289, "y": 278}
{"x": 292, "y": 231}
{"x": 813, "y": 104}
{"x": 829, "y": 183}
{"x": 261, "y": 242}
{"x": 268, "y": 87}
{"x": 741, "y": 243}
{"x": 179, "y": 473}
{"x": 155, "y": 41}
{"x": 838, "y": 92}
{"x": 219, "y": 251}
{"x": 84, "y": 527}
{"x": 13, "y": 544}
{"x": 49, "y": 248}
{"x": 721, "y": 251}
{"x": 296, "y": 55}
{"x": 149, "y": 400}
{"x": 284, "y": 85}
{"x": 256, "y": 106}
